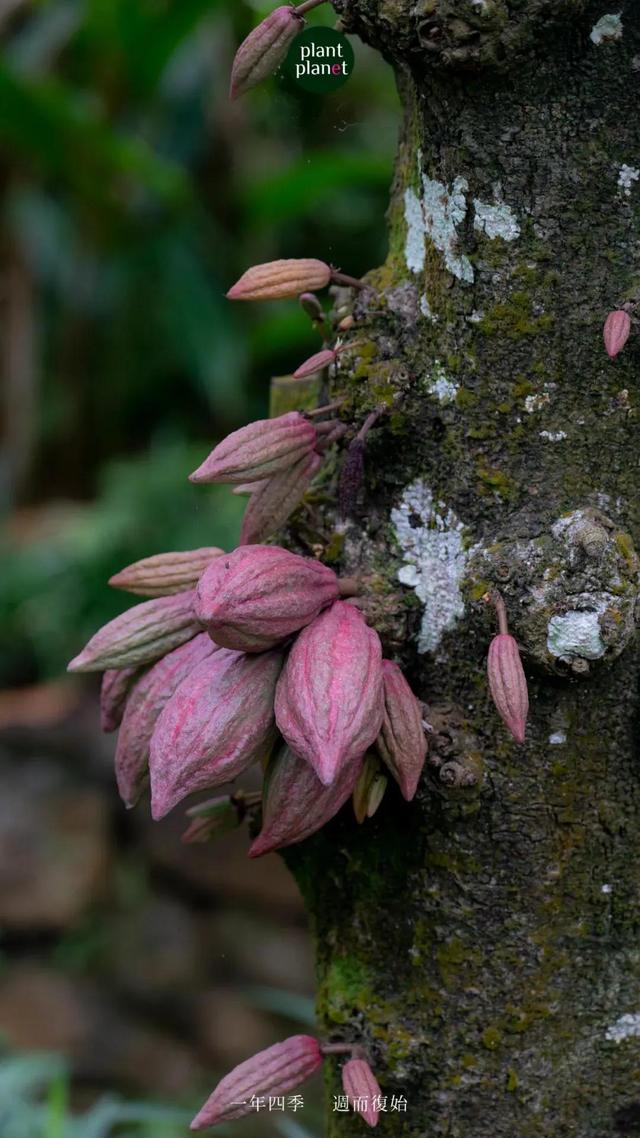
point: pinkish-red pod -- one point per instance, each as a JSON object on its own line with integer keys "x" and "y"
{"x": 295, "y": 804}
{"x": 218, "y": 722}
{"x": 257, "y": 596}
{"x": 402, "y": 743}
{"x": 274, "y": 500}
{"x": 259, "y": 450}
{"x": 146, "y": 701}
{"x": 277, "y": 280}
{"x": 140, "y": 635}
{"x": 315, "y": 363}
{"x": 116, "y": 685}
{"x": 264, "y": 49}
{"x": 508, "y": 684}
{"x": 329, "y": 699}
{"x": 165, "y": 573}
{"x": 362, "y": 1089}
{"x": 617, "y": 327}
{"x": 271, "y": 1073}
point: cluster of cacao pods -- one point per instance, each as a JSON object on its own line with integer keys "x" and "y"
{"x": 254, "y": 657}
{"x": 282, "y": 1068}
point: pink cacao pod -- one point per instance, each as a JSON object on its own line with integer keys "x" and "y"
{"x": 264, "y": 49}
{"x": 315, "y": 363}
{"x": 116, "y": 685}
{"x": 295, "y": 804}
{"x": 508, "y": 684}
{"x": 165, "y": 573}
{"x": 140, "y": 635}
{"x": 273, "y": 501}
{"x": 362, "y": 1089}
{"x": 270, "y": 1073}
{"x": 218, "y": 722}
{"x": 147, "y": 699}
{"x": 277, "y": 280}
{"x": 402, "y": 743}
{"x": 257, "y": 451}
{"x": 258, "y": 595}
{"x": 617, "y": 327}
{"x": 329, "y": 699}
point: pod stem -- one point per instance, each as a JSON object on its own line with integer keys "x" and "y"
{"x": 324, "y": 410}
{"x": 350, "y": 586}
{"x": 493, "y": 597}
{"x": 344, "y": 279}
{"x": 302, "y": 9}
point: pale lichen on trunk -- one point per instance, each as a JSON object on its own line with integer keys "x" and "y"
{"x": 483, "y": 942}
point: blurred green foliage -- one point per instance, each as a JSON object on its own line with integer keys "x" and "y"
{"x": 134, "y": 194}
{"x": 53, "y": 591}
{"x": 34, "y": 1103}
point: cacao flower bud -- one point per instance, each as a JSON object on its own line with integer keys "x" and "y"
{"x": 277, "y": 280}
{"x": 218, "y": 722}
{"x": 362, "y": 1089}
{"x": 264, "y": 49}
{"x": 317, "y": 362}
{"x": 329, "y": 700}
{"x": 351, "y": 478}
{"x": 508, "y": 684}
{"x": 312, "y": 307}
{"x": 165, "y": 573}
{"x": 116, "y": 685}
{"x": 362, "y": 789}
{"x": 245, "y": 489}
{"x": 149, "y": 696}
{"x": 617, "y": 327}
{"x": 211, "y": 819}
{"x": 258, "y": 595}
{"x": 377, "y": 791}
{"x": 402, "y": 743}
{"x": 295, "y": 804}
{"x": 140, "y": 635}
{"x": 274, "y": 500}
{"x": 270, "y": 1073}
{"x": 257, "y": 451}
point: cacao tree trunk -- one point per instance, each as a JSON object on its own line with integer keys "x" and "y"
{"x": 482, "y": 942}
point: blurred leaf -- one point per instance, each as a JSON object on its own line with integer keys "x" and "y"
{"x": 301, "y": 189}
{"x": 144, "y": 35}
{"x": 61, "y": 134}
{"x": 53, "y": 592}
{"x": 290, "y": 1005}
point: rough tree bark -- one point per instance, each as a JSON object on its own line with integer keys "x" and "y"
{"x": 483, "y": 942}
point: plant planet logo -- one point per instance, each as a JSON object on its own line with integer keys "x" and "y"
{"x": 320, "y": 59}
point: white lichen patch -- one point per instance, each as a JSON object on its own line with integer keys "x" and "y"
{"x": 495, "y": 220}
{"x": 439, "y": 384}
{"x": 576, "y": 634}
{"x": 414, "y": 248}
{"x": 571, "y": 526}
{"x": 436, "y": 215}
{"x": 627, "y": 176}
{"x": 627, "y": 1027}
{"x": 427, "y": 311}
{"x": 444, "y": 210}
{"x": 431, "y": 538}
{"x": 607, "y": 29}
{"x": 557, "y": 738}
{"x": 553, "y": 436}
{"x": 606, "y": 888}
{"x": 537, "y": 402}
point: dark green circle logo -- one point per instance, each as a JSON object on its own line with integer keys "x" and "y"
{"x": 320, "y": 59}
